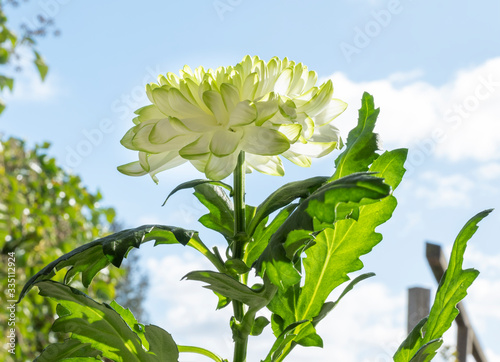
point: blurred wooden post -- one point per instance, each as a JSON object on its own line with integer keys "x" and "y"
{"x": 419, "y": 300}
{"x": 467, "y": 342}
{"x": 464, "y": 343}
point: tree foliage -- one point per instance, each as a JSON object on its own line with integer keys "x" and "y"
{"x": 11, "y": 44}
{"x": 44, "y": 213}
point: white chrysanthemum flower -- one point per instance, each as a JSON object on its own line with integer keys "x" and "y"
{"x": 209, "y": 117}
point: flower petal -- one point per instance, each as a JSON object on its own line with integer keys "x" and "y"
{"x": 132, "y": 169}
{"x": 126, "y": 140}
{"x": 197, "y": 148}
{"x": 244, "y": 113}
{"x": 149, "y": 91}
{"x": 158, "y": 136}
{"x": 197, "y": 91}
{"x": 219, "y": 168}
{"x": 162, "y": 132}
{"x": 225, "y": 142}
{"x": 230, "y": 96}
{"x": 214, "y": 102}
{"x": 264, "y": 141}
{"x": 266, "y": 109}
{"x": 312, "y": 77}
{"x": 324, "y": 141}
{"x": 160, "y": 100}
{"x": 172, "y": 103}
{"x": 283, "y": 82}
{"x": 249, "y": 87}
{"x": 332, "y": 110}
{"x": 319, "y": 101}
{"x": 298, "y": 159}
{"x": 199, "y": 124}
{"x": 200, "y": 163}
{"x": 326, "y": 133}
{"x": 291, "y": 131}
{"x": 163, "y": 161}
{"x": 308, "y": 127}
{"x": 270, "y": 165}
{"x": 150, "y": 112}
{"x": 298, "y": 79}
{"x": 140, "y": 141}
{"x": 288, "y": 109}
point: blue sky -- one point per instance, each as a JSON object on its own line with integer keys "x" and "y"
{"x": 433, "y": 68}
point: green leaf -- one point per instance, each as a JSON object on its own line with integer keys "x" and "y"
{"x": 92, "y": 257}
{"x": 104, "y": 329}
{"x": 284, "y": 196}
{"x": 194, "y": 183}
{"x": 68, "y": 349}
{"x": 229, "y": 287}
{"x": 327, "y": 264}
{"x": 2, "y": 106}
{"x": 237, "y": 266}
{"x": 4, "y": 55}
{"x": 220, "y": 218}
{"x": 259, "y": 325}
{"x": 41, "y": 66}
{"x": 412, "y": 339}
{"x": 161, "y": 344}
{"x": 222, "y": 302}
{"x": 281, "y": 342}
{"x": 263, "y": 234}
{"x": 428, "y": 351}
{"x": 329, "y": 306}
{"x": 349, "y": 239}
{"x": 314, "y": 214}
{"x": 334, "y": 254}
{"x": 129, "y": 318}
{"x": 362, "y": 143}
{"x": 390, "y": 166}
{"x": 307, "y": 336}
{"x": 6, "y": 82}
{"x": 452, "y": 289}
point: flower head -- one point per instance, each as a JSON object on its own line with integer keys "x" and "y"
{"x": 208, "y": 117}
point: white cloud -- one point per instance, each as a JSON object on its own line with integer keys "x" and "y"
{"x": 368, "y": 325}
{"x": 489, "y": 171}
{"x": 458, "y": 120}
{"x": 489, "y": 264}
{"x": 492, "y": 356}
{"x": 183, "y": 308}
{"x": 444, "y": 190}
{"x": 405, "y": 77}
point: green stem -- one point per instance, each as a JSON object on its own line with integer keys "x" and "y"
{"x": 197, "y": 244}
{"x": 240, "y": 349}
{"x": 239, "y": 206}
{"x": 240, "y": 336}
{"x": 199, "y": 350}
